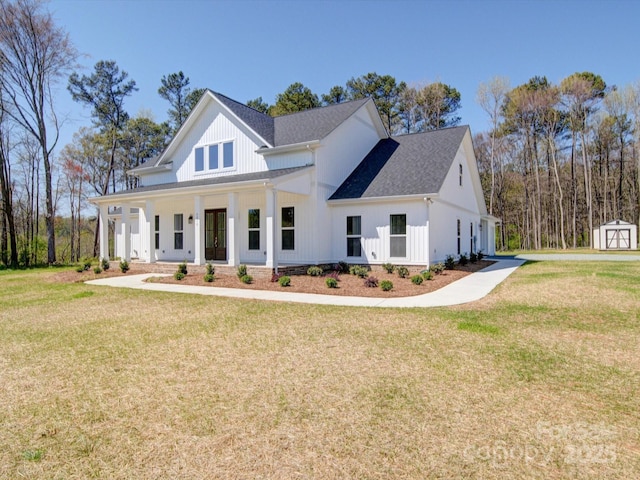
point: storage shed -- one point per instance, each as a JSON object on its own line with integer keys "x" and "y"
{"x": 616, "y": 235}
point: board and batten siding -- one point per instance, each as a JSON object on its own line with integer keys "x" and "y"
{"x": 375, "y": 224}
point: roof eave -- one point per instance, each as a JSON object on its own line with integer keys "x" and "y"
{"x": 266, "y": 151}
{"x": 388, "y": 198}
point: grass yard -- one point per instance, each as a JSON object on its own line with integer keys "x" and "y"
{"x": 539, "y": 380}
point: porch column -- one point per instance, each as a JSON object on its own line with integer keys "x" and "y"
{"x": 126, "y": 232}
{"x": 104, "y": 231}
{"x": 198, "y": 223}
{"x": 233, "y": 235}
{"x": 150, "y": 230}
{"x": 272, "y": 229}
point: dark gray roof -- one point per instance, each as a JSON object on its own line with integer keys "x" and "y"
{"x": 229, "y": 179}
{"x": 259, "y": 122}
{"x": 313, "y": 124}
{"x": 414, "y": 164}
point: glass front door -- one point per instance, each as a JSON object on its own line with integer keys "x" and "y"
{"x": 215, "y": 234}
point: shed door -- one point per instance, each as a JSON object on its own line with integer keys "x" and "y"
{"x": 618, "y": 239}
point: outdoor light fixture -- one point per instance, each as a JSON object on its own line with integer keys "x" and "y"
{"x": 190, "y": 219}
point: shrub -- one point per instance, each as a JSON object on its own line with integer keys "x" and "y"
{"x": 86, "y": 263}
{"x": 105, "y": 264}
{"x": 473, "y": 257}
{"x": 242, "y": 271}
{"x": 97, "y": 270}
{"x": 178, "y": 275}
{"x": 315, "y": 271}
{"x": 284, "y": 281}
{"x": 426, "y": 274}
{"x": 371, "y": 282}
{"x": 275, "y": 277}
{"x": 209, "y": 277}
{"x": 417, "y": 279}
{"x": 331, "y": 282}
{"x": 246, "y": 279}
{"x": 463, "y": 260}
{"x": 403, "y": 272}
{"x": 359, "y": 271}
{"x": 386, "y": 285}
{"x": 389, "y": 267}
{"x": 80, "y": 268}
{"x": 182, "y": 268}
{"x": 437, "y": 268}
{"x": 124, "y": 266}
{"x": 342, "y": 267}
{"x": 334, "y": 275}
{"x": 480, "y": 255}
{"x": 449, "y": 262}
{"x": 209, "y": 268}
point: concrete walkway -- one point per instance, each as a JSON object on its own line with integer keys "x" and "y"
{"x": 468, "y": 289}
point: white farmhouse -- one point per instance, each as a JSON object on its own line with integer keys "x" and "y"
{"x": 236, "y": 186}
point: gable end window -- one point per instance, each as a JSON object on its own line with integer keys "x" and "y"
{"x": 354, "y": 233}
{"x": 460, "y": 173}
{"x": 398, "y": 237}
{"x": 177, "y": 232}
{"x": 288, "y": 228}
{"x": 254, "y": 229}
{"x": 214, "y": 157}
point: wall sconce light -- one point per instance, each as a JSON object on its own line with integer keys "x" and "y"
{"x": 190, "y": 219}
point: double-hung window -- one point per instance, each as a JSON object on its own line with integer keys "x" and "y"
{"x": 178, "y": 232}
{"x": 398, "y": 237}
{"x": 214, "y": 157}
{"x": 157, "y": 232}
{"x": 254, "y": 229}
{"x": 288, "y": 228}
{"x": 354, "y": 233}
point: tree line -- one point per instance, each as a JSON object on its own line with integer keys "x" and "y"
{"x": 556, "y": 161}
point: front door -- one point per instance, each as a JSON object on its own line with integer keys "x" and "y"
{"x": 215, "y": 234}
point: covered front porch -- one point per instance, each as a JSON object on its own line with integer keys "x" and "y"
{"x": 234, "y": 222}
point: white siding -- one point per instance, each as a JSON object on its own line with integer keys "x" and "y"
{"x": 289, "y": 160}
{"x": 375, "y": 218}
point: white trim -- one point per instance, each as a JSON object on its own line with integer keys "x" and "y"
{"x": 395, "y": 198}
{"x": 266, "y": 151}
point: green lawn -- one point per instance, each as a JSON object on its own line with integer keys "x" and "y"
{"x": 538, "y": 380}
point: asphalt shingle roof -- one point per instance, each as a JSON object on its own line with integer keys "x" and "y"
{"x": 259, "y": 122}
{"x": 413, "y": 164}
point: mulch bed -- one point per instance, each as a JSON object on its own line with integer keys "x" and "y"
{"x": 348, "y": 284}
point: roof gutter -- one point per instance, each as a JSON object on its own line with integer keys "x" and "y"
{"x": 266, "y": 151}
{"x": 151, "y": 169}
{"x": 395, "y": 198}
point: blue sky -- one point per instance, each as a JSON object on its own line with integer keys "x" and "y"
{"x": 247, "y": 49}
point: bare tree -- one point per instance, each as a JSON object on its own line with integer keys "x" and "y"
{"x": 34, "y": 55}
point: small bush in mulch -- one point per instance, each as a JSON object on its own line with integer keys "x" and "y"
{"x": 371, "y": 282}
{"x": 417, "y": 279}
{"x": 331, "y": 282}
{"x": 315, "y": 271}
{"x": 386, "y": 285}
{"x": 246, "y": 279}
{"x": 359, "y": 271}
{"x": 124, "y": 266}
{"x": 403, "y": 272}
{"x": 179, "y": 275}
{"x": 284, "y": 281}
{"x": 388, "y": 267}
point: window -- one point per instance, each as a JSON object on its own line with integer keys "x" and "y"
{"x": 398, "y": 239}
{"x": 288, "y": 231}
{"x": 460, "y": 169}
{"x": 354, "y": 232}
{"x": 458, "y": 237}
{"x": 471, "y": 239}
{"x": 213, "y": 152}
{"x": 213, "y": 157}
{"x": 199, "y": 159}
{"x": 157, "y": 231}
{"x": 177, "y": 232}
{"x": 227, "y": 155}
{"x": 254, "y": 229}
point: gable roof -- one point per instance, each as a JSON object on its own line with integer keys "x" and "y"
{"x": 259, "y": 122}
{"x": 414, "y": 164}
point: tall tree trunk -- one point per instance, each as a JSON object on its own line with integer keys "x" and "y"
{"x": 7, "y": 208}
{"x": 587, "y": 186}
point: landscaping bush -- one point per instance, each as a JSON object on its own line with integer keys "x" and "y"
{"x": 246, "y": 279}
{"x": 463, "y": 260}
{"x": 403, "y": 272}
{"x": 209, "y": 269}
{"x": 275, "y": 277}
{"x": 80, "y": 268}
{"x": 86, "y": 263}
{"x": 386, "y": 285}
{"x": 315, "y": 271}
{"x": 389, "y": 267}
{"x": 437, "y": 268}
{"x": 124, "y": 266}
{"x": 426, "y": 274}
{"x": 480, "y": 255}
{"x": 182, "y": 268}
{"x": 97, "y": 270}
{"x": 334, "y": 275}
{"x": 178, "y": 275}
{"x": 331, "y": 282}
{"x": 473, "y": 257}
{"x": 209, "y": 277}
{"x": 242, "y": 271}
{"x": 449, "y": 262}
{"x": 284, "y": 281}
{"x": 105, "y": 264}
{"x": 359, "y": 271}
{"x": 417, "y": 279}
{"x": 371, "y": 282}
{"x": 342, "y": 267}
